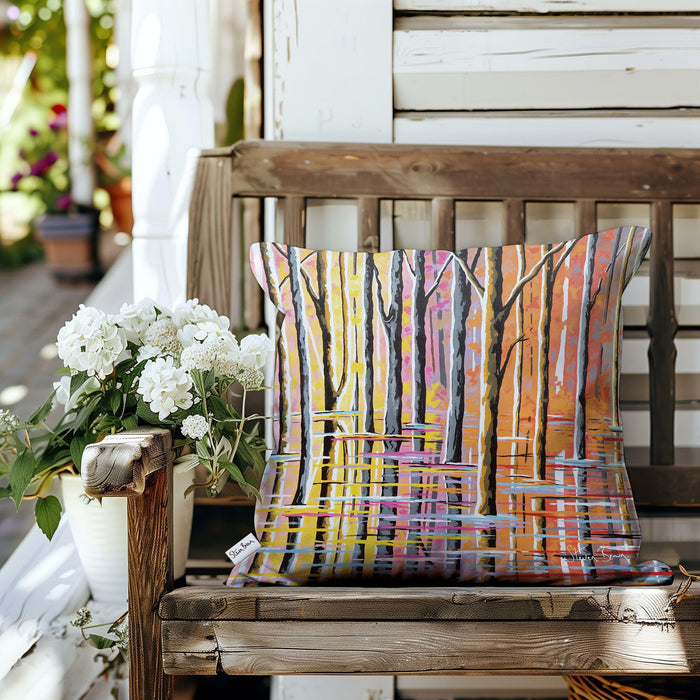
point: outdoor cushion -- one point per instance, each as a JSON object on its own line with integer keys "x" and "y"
{"x": 449, "y": 416}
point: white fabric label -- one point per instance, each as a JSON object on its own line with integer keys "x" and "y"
{"x": 243, "y": 549}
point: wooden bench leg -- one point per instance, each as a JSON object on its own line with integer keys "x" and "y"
{"x": 150, "y": 576}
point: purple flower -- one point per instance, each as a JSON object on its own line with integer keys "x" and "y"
{"x": 22, "y": 154}
{"x": 33, "y": 132}
{"x": 39, "y": 168}
{"x": 50, "y": 158}
{"x": 15, "y": 180}
{"x": 63, "y": 202}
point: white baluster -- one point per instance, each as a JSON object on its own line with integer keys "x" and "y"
{"x": 172, "y": 114}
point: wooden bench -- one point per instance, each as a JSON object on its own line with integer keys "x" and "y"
{"x": 449, "y": 630}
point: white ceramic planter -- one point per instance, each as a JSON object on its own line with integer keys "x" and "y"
{"x": 99, "y": 532}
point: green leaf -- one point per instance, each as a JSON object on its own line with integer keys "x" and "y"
{"x": 129, "y": 422}
{"x": 21, "y": 474}
{"x": 234, "y": 472}
{"x": 100, "y": 642}
{"x": 143, "y": 411}
{"x": 39, "y": 416}
{"x": 86, "y": 412}
{"x": 115, "y": 399}
{"x": 203, "y": 450}
{"x": 5, "y": 492}
{"x": 77, "y": 380}
{"x": 48, "y": 514}
{"x": 77, "y": 446}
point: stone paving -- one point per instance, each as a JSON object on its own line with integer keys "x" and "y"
{"x": 32, "y": 310}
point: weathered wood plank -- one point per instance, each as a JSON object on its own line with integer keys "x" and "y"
{"x": 585, "y": 220}
{"x": 676, "y": 486}
{"x": 119, "y": 465}
{"x": 669, "y": 128}
{"x": 368, "y": 224}
{"x": 295, "y": 221}
{"x": 609, "y": 603}
{"x": 463, "y": 63}
{"x": 662, "y": 327}
{"x": 544, "y": 6}
{"x": 514, "y": 221}
{"x": 150, "y": 576}
{"x": 449, "y": 647}
{"x": 443, "y": 223}
{"x": 276, "y": 169}
{"x": 209, "y": 251}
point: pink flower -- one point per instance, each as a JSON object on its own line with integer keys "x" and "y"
{"x": 59, "y": 122}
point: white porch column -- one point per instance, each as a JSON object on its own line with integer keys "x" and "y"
{"x": 172, "y": 114}
{"x": 81, "y": 134}
{"x": 125, "y": 78}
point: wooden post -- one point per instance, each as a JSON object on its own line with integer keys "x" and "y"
{"x": 81, "y": 133}
{"x": 662, "y": 326}
{"x": 138, "y": 465}
{"x": 172, "y": 115}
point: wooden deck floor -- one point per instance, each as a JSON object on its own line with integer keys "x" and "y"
{"x": 32, "y": 310}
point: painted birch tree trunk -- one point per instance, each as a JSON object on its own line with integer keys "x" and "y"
{"x": 368, "y": 425}
{"x": 461, "y": 305}
{"x": 330, "y": 393}
{"x": 492, "y": 326}
{"x": 419, "y": 348}
{"x": 582, "y": 357}
{"x": 305, "y": 478}
{"x": 542, "y": 405}
{"x": 393, "y": 409}
{"x": 492, "y": 322}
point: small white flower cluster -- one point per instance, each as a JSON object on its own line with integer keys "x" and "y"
{"x": 195, "y": 427}
{"x": 91, "y": 342}
{"x": 8, "y": 422}
{"x": 173, "y": 344}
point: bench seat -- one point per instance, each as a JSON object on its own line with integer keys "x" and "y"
{"x": 609, "y": 630}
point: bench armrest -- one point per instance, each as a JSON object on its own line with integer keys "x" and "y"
{"x": 119, "y": 465}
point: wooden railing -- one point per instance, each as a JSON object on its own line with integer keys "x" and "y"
{"x": 297, "y": 173}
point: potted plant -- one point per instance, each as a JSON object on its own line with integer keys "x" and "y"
{"x": 114, "y": 175}
{"x": 146, "y": 366}
{"x": 67, "y": 231}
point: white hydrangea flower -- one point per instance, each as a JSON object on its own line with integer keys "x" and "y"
{"x": 197, "y": 321}
{"x": 91, "y": 342}
{"x": 147, "y": 352}
{"x": 165, "y": 387}
{"x": 8, "y": 422}
{"x": 63, "y": 396}
{"x": 163, "y": 335}
{"x": 255, "y": 351}
{"x": 136, "y": 318}
{"x": 195, "y": 427}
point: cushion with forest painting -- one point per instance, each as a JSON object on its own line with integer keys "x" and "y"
{"x": 449, "y": 416}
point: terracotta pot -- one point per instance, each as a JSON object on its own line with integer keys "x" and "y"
{"x": 120, "y": 198}
{"x": 70, "y": 243}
